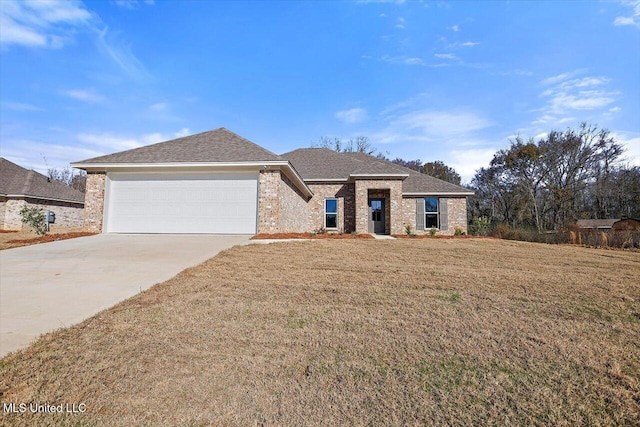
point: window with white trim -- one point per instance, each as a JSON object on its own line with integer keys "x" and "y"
{"x": 431, "y": 215}
{"x": 331, "y": 213}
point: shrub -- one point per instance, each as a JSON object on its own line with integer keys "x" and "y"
{"x": 409, "y": 230}
{"x": 433, "y": 231}
{"x": 480, "y": 226}
{"x": 36, "y": 219}
{"x": 458, "y": 231}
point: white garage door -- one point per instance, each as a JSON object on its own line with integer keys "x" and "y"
{"x": 181, "y": 203}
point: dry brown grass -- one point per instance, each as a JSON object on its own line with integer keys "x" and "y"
{"x": 14, "y": 239}
{"x": 404, "y": 332}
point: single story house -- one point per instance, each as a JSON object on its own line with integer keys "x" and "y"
{"x": 20, "y": 187}
{"x": 596, "y": 224}
{"x": 219, "y": 182}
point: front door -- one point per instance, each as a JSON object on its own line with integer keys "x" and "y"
{"x": 376, "y": 216}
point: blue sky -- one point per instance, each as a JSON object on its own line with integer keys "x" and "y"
{"x": 432, "y": 80}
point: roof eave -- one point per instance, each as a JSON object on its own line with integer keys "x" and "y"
{"x": 264, "y": 164}
{"x": 326, "y": 180}
{"x": 378, "y": 176}
{"x": 32, "y": 196}
{"x": 439, "y": 193}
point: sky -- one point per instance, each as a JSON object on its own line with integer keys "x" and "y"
{"x": 432, "y": 80}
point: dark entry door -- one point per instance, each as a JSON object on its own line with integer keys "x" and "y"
{"x": 376, "y": 216}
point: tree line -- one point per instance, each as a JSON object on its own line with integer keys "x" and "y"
{"x": 544, "y": 184}
{"x": 550, "y": 183}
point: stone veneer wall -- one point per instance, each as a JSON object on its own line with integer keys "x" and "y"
{"x": 68, "y": 215}
{"x": 345, "y": 193}
{"x": 294, "y": 212}
{"x": 3, "y": 204}
{"x": 94, "y": 201}
{"x": 394, "y": 201}
{"x": 282, "y": 208}
{"x": 268, "y": 202}
{"x": 457, "y": 212}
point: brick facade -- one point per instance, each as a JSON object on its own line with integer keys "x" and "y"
{"x": 345, "y": 193}
{"x": 393, "y": 200}
{"x": 68, "y": 215}
{"x": 457, "y": 215}
{"x": 94, "y": 201}
{"x": 282, "y": 208}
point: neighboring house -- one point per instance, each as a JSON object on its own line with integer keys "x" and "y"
{"x": 596, "y": 224}
{"x": 627, "y": 224}
{"x": 20, "y": 187}
{"x": 219, "y": 182}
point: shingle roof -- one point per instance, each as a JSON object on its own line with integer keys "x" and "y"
{"x": 322, "y": 163}
{"x": 596, "y": 223}
{"x": 220, "y": 145}
{"x": 18, "y": 181}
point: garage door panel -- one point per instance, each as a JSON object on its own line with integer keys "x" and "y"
{"x": 182, "y": 203}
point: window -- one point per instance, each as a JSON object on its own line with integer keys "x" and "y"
{"x": 430, "y": 212}
{"x": 331, "y": 213}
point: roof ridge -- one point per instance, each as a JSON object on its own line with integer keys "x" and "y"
{"x": 246, "y": 140}
{"x": 28, "y": 181}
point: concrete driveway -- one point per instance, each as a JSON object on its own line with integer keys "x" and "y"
{"x": 52, "y": 285}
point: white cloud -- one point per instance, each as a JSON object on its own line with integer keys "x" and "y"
{"x": 41, "y": 23}
{"x": 413, "y": 61}
{"x": 568, "y": 94}
{"x": 467, "y": 162}
{"x": 404, "y": 60}
{"x": 634, "y": 18}
{"x": 400, "y": 23}
{"x": 132, "y": 4}
{"x": 559, "y": 78}
{"x": 108, "y": 142}
{"x": 20, "y": 106}
{"x": 354, "y": 115}
{"x": 159, "y": 107}
{"x": 454, "y": 28}
{"x": 631, "y": 143}
{"x": 441, "y": 124}
{"x": 83, "y": 95}
{"x": 120, "y": 53}
{"x": 381, "y": 1}
{"x": 446, "y": 56}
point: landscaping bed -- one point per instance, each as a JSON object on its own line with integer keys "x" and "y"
{"x": 8, "y": 241}
{"x": 266, "y": 236}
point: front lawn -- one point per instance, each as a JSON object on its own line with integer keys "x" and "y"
{"x": 335, "y": 332}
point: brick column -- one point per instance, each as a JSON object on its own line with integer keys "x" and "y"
{"x": 268, "y": 201}
{"x": 94, "y": 201}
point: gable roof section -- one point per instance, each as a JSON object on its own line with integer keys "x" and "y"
{"x": 18, "y": 181}
{"x": 322, "y": 164}
{"x": 597, "y": 223}
{"x": 220, "y": 146}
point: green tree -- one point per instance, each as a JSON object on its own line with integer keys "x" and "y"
{"x": 35, "y": 218}
{"x": 441, "y": 171}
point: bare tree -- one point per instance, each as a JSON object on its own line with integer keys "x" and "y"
{"x": 360, "y": 144}
{"x": 70, "y": 177}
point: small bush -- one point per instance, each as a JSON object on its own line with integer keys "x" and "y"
{"x": 433, "y": 231}
{"x": 480, "y": 226}
{"x": 36, "y": 219}
{"x": 409, "y": 230}
{"x": 458, "y": 231}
